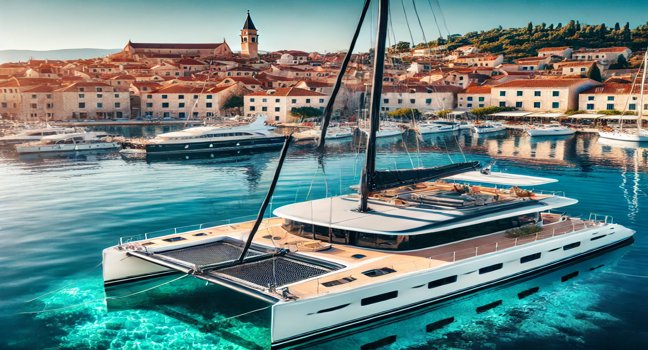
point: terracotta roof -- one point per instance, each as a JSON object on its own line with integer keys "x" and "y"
{"x": 543, "y": 83}
{"x": 613, "y": 88}
{"x": 191, "y": 62}
{"x": 291, "y": 91}
{"x": 244, "y": 80}
{"x": 75, "y": 86}
{"x": 478, "y": 89}
{"x": 175, "y": 45}
{"x": 42, "y": 88}
{"x": 575, "y": 63}
{"x": 557, "y": 48}
{"x": 420, "y": 88}
{"x": 603, "y": 49}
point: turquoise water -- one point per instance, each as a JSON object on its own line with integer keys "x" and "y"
{"x": 58, "y": 213}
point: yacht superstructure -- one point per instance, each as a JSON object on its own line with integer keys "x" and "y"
{"x": 255, "y": 135}
{"x": 30, "y": 135}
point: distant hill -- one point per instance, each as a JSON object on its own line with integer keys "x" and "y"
{"x": 525, "y": 41}
{"x": 65, "y": 54}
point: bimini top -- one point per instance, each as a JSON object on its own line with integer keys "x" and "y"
{"x": 503, "y": 179}
{"x": 438, "y": 207}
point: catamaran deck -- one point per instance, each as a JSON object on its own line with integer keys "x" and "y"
{"x": 303, "y": 271}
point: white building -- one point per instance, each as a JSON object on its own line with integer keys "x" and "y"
{"x": 184, "y": 101}
{"x": 277, "y": 104}
{"x": 424, "y": 98}
{"x": 561, "y": 51}
{"x": 612, "y": 96}
{"x": 539, "y": 95}
{"x": 481, "y": 60}
{"x": 605, "y": 56}
{"x": 475, "y": 96}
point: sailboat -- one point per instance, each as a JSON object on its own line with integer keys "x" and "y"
{"x": 633, "y": 135}
{"x": 409, "y": 238}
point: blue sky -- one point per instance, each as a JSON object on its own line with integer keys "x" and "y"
{"x": 324, "y": 25}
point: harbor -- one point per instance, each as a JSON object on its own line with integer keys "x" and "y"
{"x": 137, "y": 191}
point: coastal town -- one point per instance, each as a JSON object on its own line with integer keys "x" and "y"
{"x": 185, "y": 81}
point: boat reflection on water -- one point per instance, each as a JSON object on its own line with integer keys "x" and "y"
{"x": 458, "y": 323}
{"x": 89, "y": 155}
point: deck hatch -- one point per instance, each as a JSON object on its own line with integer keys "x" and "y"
{"x": 378, "y": 272}
{"x": 338, "y": 282}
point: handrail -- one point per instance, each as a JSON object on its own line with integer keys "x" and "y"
{"x": 181, "y": 229}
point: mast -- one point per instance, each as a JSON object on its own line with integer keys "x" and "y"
{"x": 326, "y": 118}
{"x": 641, "y": 93}
{"x": 374, "y": 108}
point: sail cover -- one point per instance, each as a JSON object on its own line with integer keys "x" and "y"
{"x": 386, "y": 179}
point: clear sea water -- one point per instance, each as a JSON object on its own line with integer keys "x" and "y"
{"x": 58, "y": 213}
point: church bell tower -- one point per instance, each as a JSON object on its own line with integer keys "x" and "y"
{"x": 249, "y": 39}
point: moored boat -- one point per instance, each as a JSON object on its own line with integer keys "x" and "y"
{"x": 488, "y": 128}
{"x": 74, "y": 142}
{"x": 255, "y": 135}
{"x": 553, "y": 129}
{"x": 30, "y": 135}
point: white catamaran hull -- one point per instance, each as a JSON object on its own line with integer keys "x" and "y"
{"x": 336, "y": 311}
{"x": 67, "y": 147}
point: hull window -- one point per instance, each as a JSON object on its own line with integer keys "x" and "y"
{"x": 378, "y": 298}
{"x": 491, "y": 268}
{"x": 525, "y": 293}
{"x": 439, "y": 324}
{"x": 569, "y": 276}
{"x": 526, "y": 259}
{"x": 442, "y": 281}
{"x": 597, "y": 237}
{"x": 571, "y": 246}
{"x": 333, "y": 308}
{"x": 487, "y": 307}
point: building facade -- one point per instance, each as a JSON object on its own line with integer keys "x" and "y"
{"x": 277, "y": 104}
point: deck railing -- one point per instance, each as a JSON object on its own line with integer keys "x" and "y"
{"x": 182, "y": 229}
{"x": 548, "y": 231}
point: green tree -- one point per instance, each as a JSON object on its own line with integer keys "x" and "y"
{"x": 594, "y": 73}
{"x": 305, "y": 112}
{"x": 234, "y": 101}
{"x": 484, "y": 111}
{"x": 617, "y": 27}
{"x": 620, "y": 63}
{"x": 401, "y": 46}
{"x": 405, "y": 113}
{"x": 530, "y": 28}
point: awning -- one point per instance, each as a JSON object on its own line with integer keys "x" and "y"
{"x": 585, "y": 116}
{"x": 617, "y": 117}
{"x": 510, "y": 114}
{"x": 545, "y": 115}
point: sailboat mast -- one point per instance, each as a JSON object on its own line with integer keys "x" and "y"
{"x": 641, "y": 93}
{"x": 374, "y": 108}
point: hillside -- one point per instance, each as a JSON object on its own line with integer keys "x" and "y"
{"x": 65, "y": 54}
{"x": 525, "y": 41}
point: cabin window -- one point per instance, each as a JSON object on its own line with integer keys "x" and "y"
{"x": 378, "y": 298}
{"x": 526, "y": 259}
{"x": 571, "y": 246}
{"x": 597, "y": 237}
{"x": 491, "y": 268}
{"x": 442, "y": 281}
{"x": 333, "y": 308}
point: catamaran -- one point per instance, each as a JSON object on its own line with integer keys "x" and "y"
{"x": 407, "y": 239}
{"x": 255, "y": 135}
{"x": 628, "y": 134}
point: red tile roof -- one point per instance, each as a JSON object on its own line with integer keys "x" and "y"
{"x": 42, "y": 88}
{"x": 478, "y": 89}
{"x": 613, "y": 88}
{"x": 543, "y": 83}
{"x": 198, "y": 46}
{"x": 557, "y": 48}
{"x": 291, "y": 91}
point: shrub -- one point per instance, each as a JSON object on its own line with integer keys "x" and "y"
{"x": 522, "y": 231}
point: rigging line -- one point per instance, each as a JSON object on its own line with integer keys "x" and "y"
{"x": 445, "y": 24}
{"x": 634, "y": 82}
{"x": 391, "y": 26}
{"x": 407, "y": 23}
{"x": 60, "y": 289}
{"x": 435, "y": 19}
{"x": 418, "y": 18}
{"x": 102, "y": 299}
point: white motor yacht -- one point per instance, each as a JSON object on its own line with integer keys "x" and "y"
{"x": 74, "y": 142}
{"x": 553, "y": 129}
{"x": 29, "y": 135}
{"x": 255, "y": 135}
{"x": 488, "y": 128}
{"x": 436, "y": 128}
{"x": 332, "y": 133}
